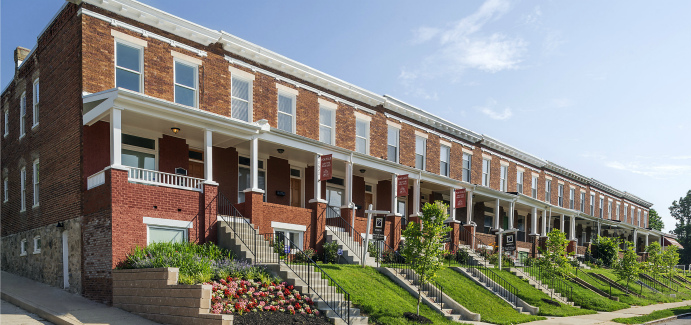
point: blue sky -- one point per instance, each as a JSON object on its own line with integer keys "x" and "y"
{"x": 601, "y": 88}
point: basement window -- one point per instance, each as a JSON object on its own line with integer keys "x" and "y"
{"x": 290, "y": 234}
{"x": 22, "y": 248}
{"x": 37, "y": 245}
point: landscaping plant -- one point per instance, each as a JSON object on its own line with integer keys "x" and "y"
{"x": 608, "y": 249}
{"x": 554, "y": 261}
{"x": 655, "y": 262}
{"x": 424, "y": 248}
{"x": 628, "y": 267}
{"x": 330, "y": 252}
{"x": 670, "y": 258}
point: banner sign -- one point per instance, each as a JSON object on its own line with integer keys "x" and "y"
{"x": 402, "y": 185}
{"x": 325, "y": 170}
{"x": 378, "y": 231}
{"x": 509, "y": 244}
{"x": 460, "y": 198}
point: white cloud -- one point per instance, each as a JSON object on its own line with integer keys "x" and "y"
{"x": 652, "y": 170}
{"x": 532, "y": 18}
{"x": 490, "y": 111}
{"x": 407, "y": 79}
{"x": 424, "y": 34}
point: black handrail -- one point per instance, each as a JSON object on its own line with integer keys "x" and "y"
{"x": 344, "y": 231}
{"x": 241, "y": 227}
{"x": 650, "y": 282}
{"x": 598, "y": 281}
{"x": 548, "y": 279}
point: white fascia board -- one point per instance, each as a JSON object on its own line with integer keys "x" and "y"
{"x": 486, "y": 191}
{"x": 288, "y": 226}
{"x": 428, "y": 130}
{"x": 168, "y": 222}
{"x": 512, "y": 151}
{"x": 159, "y": 19}
{"x": 567, "y": 172}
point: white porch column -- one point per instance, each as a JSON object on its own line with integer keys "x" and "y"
{"x": 452, "y": 204}
{"x": 416, "y": 198}
{"x": 208, "y": 159}
{"x": 116, "y": 137}
{"x": 572, "y": 225}
{"x": 646, "y": 241}
{"x": 497, "y": 222}
{"x": 317, "y": 182}
{"x": 599, "y": 229}
{"x": 511, "y": 207}
{"x": 348, "y": 185}
{"x": 635, "y": 240}
{"x": 544, "y": 223}
{"x": 533, "y": 222}
{"x": 394, "y": 197}
{"x": 469, "y": 207}
{"x": 561, "y": 223}
{"x": 254, "y": 165}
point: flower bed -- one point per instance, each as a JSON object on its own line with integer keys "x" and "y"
{"x": 237, "y": 296}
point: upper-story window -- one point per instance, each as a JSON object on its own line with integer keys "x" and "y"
{"x": 129, "y": 65}
{"x": 485, "y": 172}
{"x": 185, "y": 83}
{"x": 602, "y": 207}
{"x": 617, "y": 214}
{"x": 420, "y": 152}
{"x": 392, "y": 147}
{"x": 560, "y": 196}
{"x": 7, "y": 123}
{"x": 22, "y": 183}
{"x": 645, "y": 219}
{"x": 548, "y": 191}
{"x": 609, "y": 210}
{"x": 466, "y": 167}
{"x": 35, "y": 172}
{"x": 445, "y": 159}
{"x": 240, "y": 98}
{"x": 22, "y": 116}
{"x": 286, "y": 112}
{"x": 572, "y": 198}
{"x": 533, "y": 188}
{"x": 592, "y": 205}
{"x": 327, "y": 125}
{"x": 639, "y": 217}
{"x": 519, "y": 181}
{"x": 503, "y": 171}
{"x": 36, "y": 98}
{"x": 583, "y": 202}
{"x": 626, "y": 209}
{"x": 362, "y": 136}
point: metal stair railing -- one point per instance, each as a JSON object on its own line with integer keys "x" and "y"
{"x": 548, "y": 280}
{"x": 648, "y": 280}
{"x": 598, "y": 281}
{"x": 477, "y": 245}
{"x": 347, "y": 234}
{"x": 241, "y": 227}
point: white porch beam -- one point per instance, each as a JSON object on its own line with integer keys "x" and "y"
{"x": 416, "y": 197}
{"x": 452, "y": 204}
{"x": 348, "y": 185}
{"x": 533, "y": 222}
{"x": 511, "y": 208}
{"x": 116, "y": 137}
{"x": 572, "y": 225}
{"x": 469, "y": 208}
{"x": 394, "y": 197}
{"x": 317, "y": 181}
{"x": 561, "y": 223}
{"x": 208, "y": 156}
{"x": 497, "y": 223}
{"x": 254, "y": 165}
{"x": 544, "y": 223}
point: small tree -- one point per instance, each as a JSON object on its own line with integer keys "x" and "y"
{"x": 655, "y": 261}
{"x": 608, "y": 249}
{"x": 554, "y": 257}
{"x": 424, "y": 248}
{"x": 628, "y": 268}
{"x": 670, "y": 258}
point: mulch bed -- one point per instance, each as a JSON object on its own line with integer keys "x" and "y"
{"x": 276, "y": 318}
{"x": 413, "y": 317}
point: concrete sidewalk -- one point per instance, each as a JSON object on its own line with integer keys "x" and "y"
{"x": 604, "y": 318}
{"x": 61, "y": 307}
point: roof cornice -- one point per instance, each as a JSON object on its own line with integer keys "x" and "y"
{"x": 504, "y": 148}
{"x": 567, "y": 172}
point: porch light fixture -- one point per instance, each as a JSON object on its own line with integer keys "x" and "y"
{"x": 362, "y": 171}
{"x": 280, "y": 150}
{"x": 175, "y": 130}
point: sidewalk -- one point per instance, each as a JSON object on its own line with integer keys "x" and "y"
{"x": 61, "y": 307}
{"x": 604, "y": 318}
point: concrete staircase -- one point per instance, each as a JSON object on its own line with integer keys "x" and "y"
{"x": 352, "y": 255}
{"x": 484, "y": 281}
{"x": 475, "y": 257}
{"x": 542, "y": 287}
{"x": 251, "y": 248}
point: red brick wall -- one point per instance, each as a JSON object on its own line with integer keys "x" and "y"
{"x": 173, "y": 152}
{"x": 96, "y": 148}
{"x": 225, "y": 169}
{"x": 97, "y": 256}
{"x": 278, "y": 179}
{"x": 359, "y": 195}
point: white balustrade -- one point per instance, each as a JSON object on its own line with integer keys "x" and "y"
{"x": 95, "y": 180}
{"x": 152, "y": 177}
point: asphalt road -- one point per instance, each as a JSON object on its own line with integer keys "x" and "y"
{"x": 679, "y": 321}
{"x": 13, "y": 315}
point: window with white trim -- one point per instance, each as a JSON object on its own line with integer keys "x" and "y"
{"x": 286, "y": 112}
{"x": 241, "y": 99}
{"x": 485, "y": 172}
{"x": 139, "y": 152}
{"x": 548, "y": 191}
{"x": 533, "y": 187}
{"x": 186, "y": 81}
{"x": 639, "y": 217}
{"x": 22, "y": 116}
{"x": 560, "y": 195}
{"x": 22, "y": 181}
{"x": 7, "y": 123}
{"x": 36, "y": 98}
{"x": 626, "y": 210}
{"x": 609, "y": 210}
{"x": 327, "y": 125}
{"x": 602, "y": 206}
{"x": 583, "y": 202}
{"x": 618, "y": 204}
{"x": 35, "y": 178}
{"x": 22, "y": 248}
{"x": 5, "y": 190}
{"x": 289, "y": 236}
{"x": 592, "y": 205}
{"x": 362, "y": 136}
{"x": 245, "y": 177}
{"x": 392, "y": 144}
{"x": 166, "y": 234}
{"x": 466, "y": 167}
{"x": 129, "y": 65}
{"x": 519, "y": 181}
{"x": 503, "y": 171}
{"x": 445, "y": 160}
{"x": 420, "y": 151}
{"x": 572, "y": 198}
{"x": 645, "y": 219}
{"x": 37, "y": 245}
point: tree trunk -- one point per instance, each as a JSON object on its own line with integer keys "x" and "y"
{"x": 419, "y": 298}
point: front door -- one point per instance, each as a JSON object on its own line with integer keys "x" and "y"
{"x": 295, "y": 192}
{"x": 196, "y": 169}
{"x": 369, "y": 197}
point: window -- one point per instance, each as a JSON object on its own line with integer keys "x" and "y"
{"x": 392, "y": 154}
{"x": 572, "y": 198}
{"x": 22, "y": 116}
{"x": 244, "y": 177}
{"x": 485, "y": 172}
{"x": 533, "y": 188}
{"x": 583, "y": 202}
{"x": 618, "y": 210}
{"x": 519, "y": 182}
{"x": 420, "y": 150}
{"x": 592, "y": 205}
{"x": 502, "y": 178}
{"x": 185, "y": 83}
{"x": 5, "y": 190}
{"x": 609, "y": 210}
{"x": 128, "y": 66}
{"x": 362, "y": 136}
{"x": 138, "y": 152}
{"x": 560, "y": 195}
{"x": 466, "y": 167}
{"x": 327, "y": 120}
{"x": 167, "y": 234}
{"x": 37, "y": 245}
{"x": 286, "y": 112}
{"x": 548, "y": 191}
{"x": 35, "y": 172}
{"x": 7, "y": 123}
{"x": 645, "y": 219}
{"x": 445, "y": 158}
{"x": 22, "y": 248}
{"x": 35, "y": 112}
{"x": 240, "y": 95}
{"x": 626, "y": 209}
{"x": 602, "y": 205}
{"x": 639, "y": 217}
{"x": 22, "y": 181}
{"x": 290, "y": 238}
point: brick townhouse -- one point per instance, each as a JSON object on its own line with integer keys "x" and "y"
{"x": 146, "y": 121}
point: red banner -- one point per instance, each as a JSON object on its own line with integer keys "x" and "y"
{"x": 326, "y": 170}
{"x": 460, "y": 198}
{"x": 402, "y": 185}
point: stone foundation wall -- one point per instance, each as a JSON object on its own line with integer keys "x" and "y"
{"x": 46, "y": 266}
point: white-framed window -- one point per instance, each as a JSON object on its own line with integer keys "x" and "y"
{"x": 392, "y": 144}
{"x": 289, "y": 233}
{"x": 445, "y": 160}
{"x": 5, "y": 190}
{"x": 572, "y": 198}
{"x": 139, "y": 152}
{"x": 245, "y": 176}
{"x": 166, "y": 230}
{"x": 466, "y": 167}
{"x": 609, "y": 210}
{"x": 37, "y": 245}
{"x": 22, "y": 181}
{"x": 548, "y": 191}
{"x": 241, "y": 98}
{"x": 286, "y": 112}
{"x": 626, "y": 210}
{"x": 485, "y": 172}
{"x": 639, "y": 217}
{"x": 503, "y": 171}
{"x": 327, "y": 125}
{"x": 36, "y": 98}
{"x": 186, "y": 83}
{"x": 602, "y": 207}
{"x": 22, "y": 248}
{"x": 645, "y": 219}
{"x": 362, "y": 136}
{"x": 7, "y": 123}
{"x": 617, "y": 213}
{"x": 519, "y": 181}
{"x": 36, "y": 179}
{"x": 533, "y": 187}
{"x": 420, "y": 152}
{"x": 129, "y": 65}
{"x": 560, "y": 195}
{"x": 592, "y": 205}
{"x": 22, "y": 116}
{"x": 583, "y": 202}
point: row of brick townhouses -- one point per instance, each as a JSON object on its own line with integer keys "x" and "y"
{"x": 146, "y": 119}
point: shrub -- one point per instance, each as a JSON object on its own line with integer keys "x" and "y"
{"x": 608, "y": 249}
{"x": 305, "y": 256}
{"x": 330, "y": 252}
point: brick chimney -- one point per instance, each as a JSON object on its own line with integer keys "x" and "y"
{"x": 19, "y": 56}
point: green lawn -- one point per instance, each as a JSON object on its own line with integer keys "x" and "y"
{"x": 480, "y": 300}
{"x": 377, "y": 296}
{"x": 534, "y": 297}
{"x": 654, "y": 315}
{"x": 649, "y": 296}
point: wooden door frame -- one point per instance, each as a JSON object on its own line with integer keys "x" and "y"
{"x": 302, "y": 184}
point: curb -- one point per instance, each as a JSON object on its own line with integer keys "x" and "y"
{"x": 657, "y": 321}
{"x": 41, "y": 311}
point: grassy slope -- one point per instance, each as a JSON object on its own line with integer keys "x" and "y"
{"x": 379, "y": 297}
{"x": 479, "y": 300}
{"x": 534, "y": 296}
{"x": 649, "y": 297}
{"x": 654, "y": 315}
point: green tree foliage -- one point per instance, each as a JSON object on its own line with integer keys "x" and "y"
{"x": 423, "y": 247}
{"x": 628, "y": 268}
{"x": 608, "y": 249}
{"x": 681, "y": 211}
{"x": 670, "y": 258}
{"x": 654, "y": 220}
{"x": 554, "y": 257}
{"x": 655, "y": 261}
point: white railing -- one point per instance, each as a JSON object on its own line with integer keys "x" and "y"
{"x": 95, "y": 180}
{"x": 152, "y": 177}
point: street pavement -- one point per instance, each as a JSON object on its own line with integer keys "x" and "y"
{"x": 13, "y": 315}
